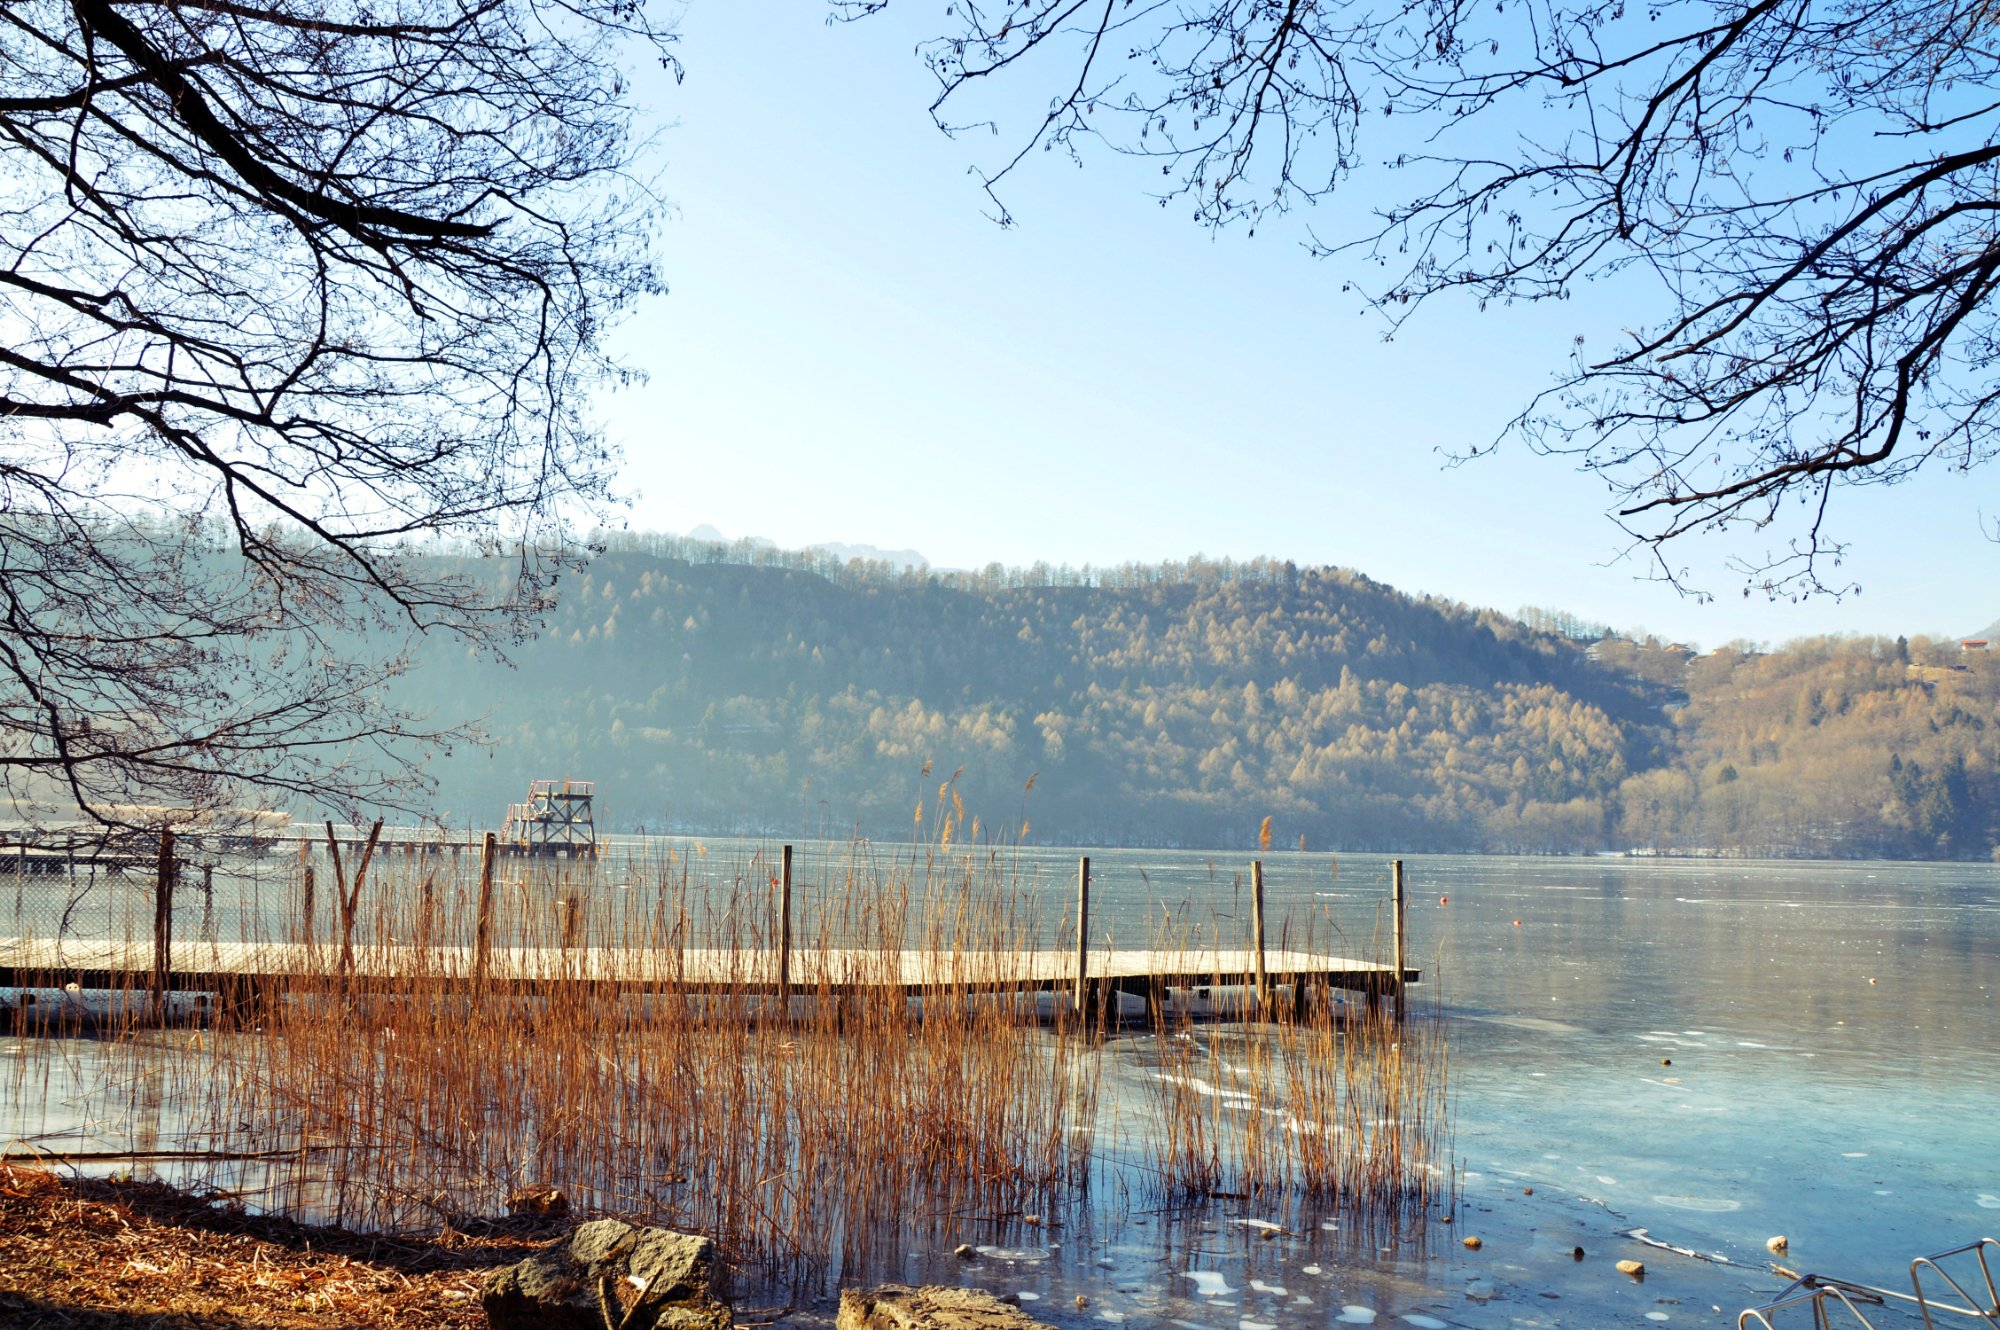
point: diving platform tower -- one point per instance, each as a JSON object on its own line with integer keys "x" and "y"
{"x": 555, "y": 819}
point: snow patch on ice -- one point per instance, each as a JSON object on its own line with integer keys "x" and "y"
{"x": 1210, "y": 1283}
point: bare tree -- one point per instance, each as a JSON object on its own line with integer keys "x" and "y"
{"x": 1799, "y": 198}
{"x": 289, "y": 290}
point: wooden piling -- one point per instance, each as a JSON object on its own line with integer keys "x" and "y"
{"x": 482, "y": 934}
{"x": 350, "y": 897}
{"x": 785, "y": 933}
{"x": 339, "y": 870}
{"x": 426, "y": 915}
{"x": 1396, "y": 890}
{"x": 1257, "y": 930}
{"x": 306, "y": 887}
{"x": 163, "y": 923}
{"x": 1082, "y": 933}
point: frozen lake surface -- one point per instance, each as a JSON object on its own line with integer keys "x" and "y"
{"x": 1712, "y": 1051}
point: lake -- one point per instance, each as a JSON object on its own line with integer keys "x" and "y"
{"x": 1713, "y": 1051}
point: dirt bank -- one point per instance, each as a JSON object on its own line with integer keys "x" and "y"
{"x": 106, "y": 1254}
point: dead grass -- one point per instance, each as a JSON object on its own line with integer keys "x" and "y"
{"x": 120, "y": 1255}
{"x": 801, "y": 1139}
{"x": 807, "y": 1142}
{"x": 1336, "y": 1104}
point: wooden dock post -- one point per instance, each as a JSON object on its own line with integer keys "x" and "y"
{"x": 482, "y": 933}
{"x": 785, "y": 934}
{"x": 350, "y": 897}
{"x": 1257, "y": 929}
{"x": 426, "y": 916}
{"x": 163, "y": 923}
{"x": 1396, "y": 889}
{"x": 1082, "y": 934}
{"x": 306, "y": 886}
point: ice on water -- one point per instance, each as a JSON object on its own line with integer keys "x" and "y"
{"x": 1015, "y": 1253}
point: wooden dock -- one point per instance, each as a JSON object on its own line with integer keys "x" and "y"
{"x": 256, "y": 971}
{"x": 246, "y": 972}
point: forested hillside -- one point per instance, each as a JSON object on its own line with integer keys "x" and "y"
{"x": 1830, "y": 746}
{"x": 719, "y": 688}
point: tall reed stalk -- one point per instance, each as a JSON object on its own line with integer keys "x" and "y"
{"x": 622, "y": 1041}
{"x": 801, "y": 1134}
{"x": 1331, "y": 1101}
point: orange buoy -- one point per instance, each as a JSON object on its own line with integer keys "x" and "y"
{"x": 1444, "y": 900}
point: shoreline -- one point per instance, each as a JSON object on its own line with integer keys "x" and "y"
{"x": 111, "y": 1254}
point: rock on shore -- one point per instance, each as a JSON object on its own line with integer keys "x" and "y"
{"x": 610, "y": 1272}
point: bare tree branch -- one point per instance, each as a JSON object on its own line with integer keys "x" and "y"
{"x": 1797, "y": 195}
{"x": 290, "y": 292}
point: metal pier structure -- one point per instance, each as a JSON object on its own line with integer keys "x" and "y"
{"x": 556, "y": 819}
{"x": 1951, "y": 1287}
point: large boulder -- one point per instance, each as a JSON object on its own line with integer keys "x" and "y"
{"x": 900, "y": 1307}
{"x": 608, "y": 1273}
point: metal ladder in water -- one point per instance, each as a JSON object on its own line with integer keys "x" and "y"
{"x": 1824, "y": 1294}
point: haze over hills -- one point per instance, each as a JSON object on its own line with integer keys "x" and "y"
{"x": 739, "y": 687}
{"x": 843, "y": 553}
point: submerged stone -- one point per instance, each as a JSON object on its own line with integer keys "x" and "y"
{"x": 609, "y": 1272}
{"x": 900, "y": 1307}
{"x": 539, "y": 1201}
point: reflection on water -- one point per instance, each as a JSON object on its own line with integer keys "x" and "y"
{"x": 1711, "y": 1051}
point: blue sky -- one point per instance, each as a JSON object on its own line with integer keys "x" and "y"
{"x": 853, "y": 352}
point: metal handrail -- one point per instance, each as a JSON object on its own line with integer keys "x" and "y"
{"x": 1817, "y": 1298}
{"x": 1990, "y": 1312}
{"x": 1816, "y": 1289}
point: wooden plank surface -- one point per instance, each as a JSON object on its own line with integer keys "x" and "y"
{"x": 210, "y": 964}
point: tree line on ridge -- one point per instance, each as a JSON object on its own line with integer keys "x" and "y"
{"x": 718, "y": 688}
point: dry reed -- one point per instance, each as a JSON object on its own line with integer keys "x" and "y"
{"x": 680, "y": 1088}
{"x": 623, "y": 1044}
{"x": 1304, "y": 1096}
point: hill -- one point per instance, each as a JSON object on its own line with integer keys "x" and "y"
{"x": 739, "y": 688}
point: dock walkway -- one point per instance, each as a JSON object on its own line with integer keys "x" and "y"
{"x": 246, "y": 971}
